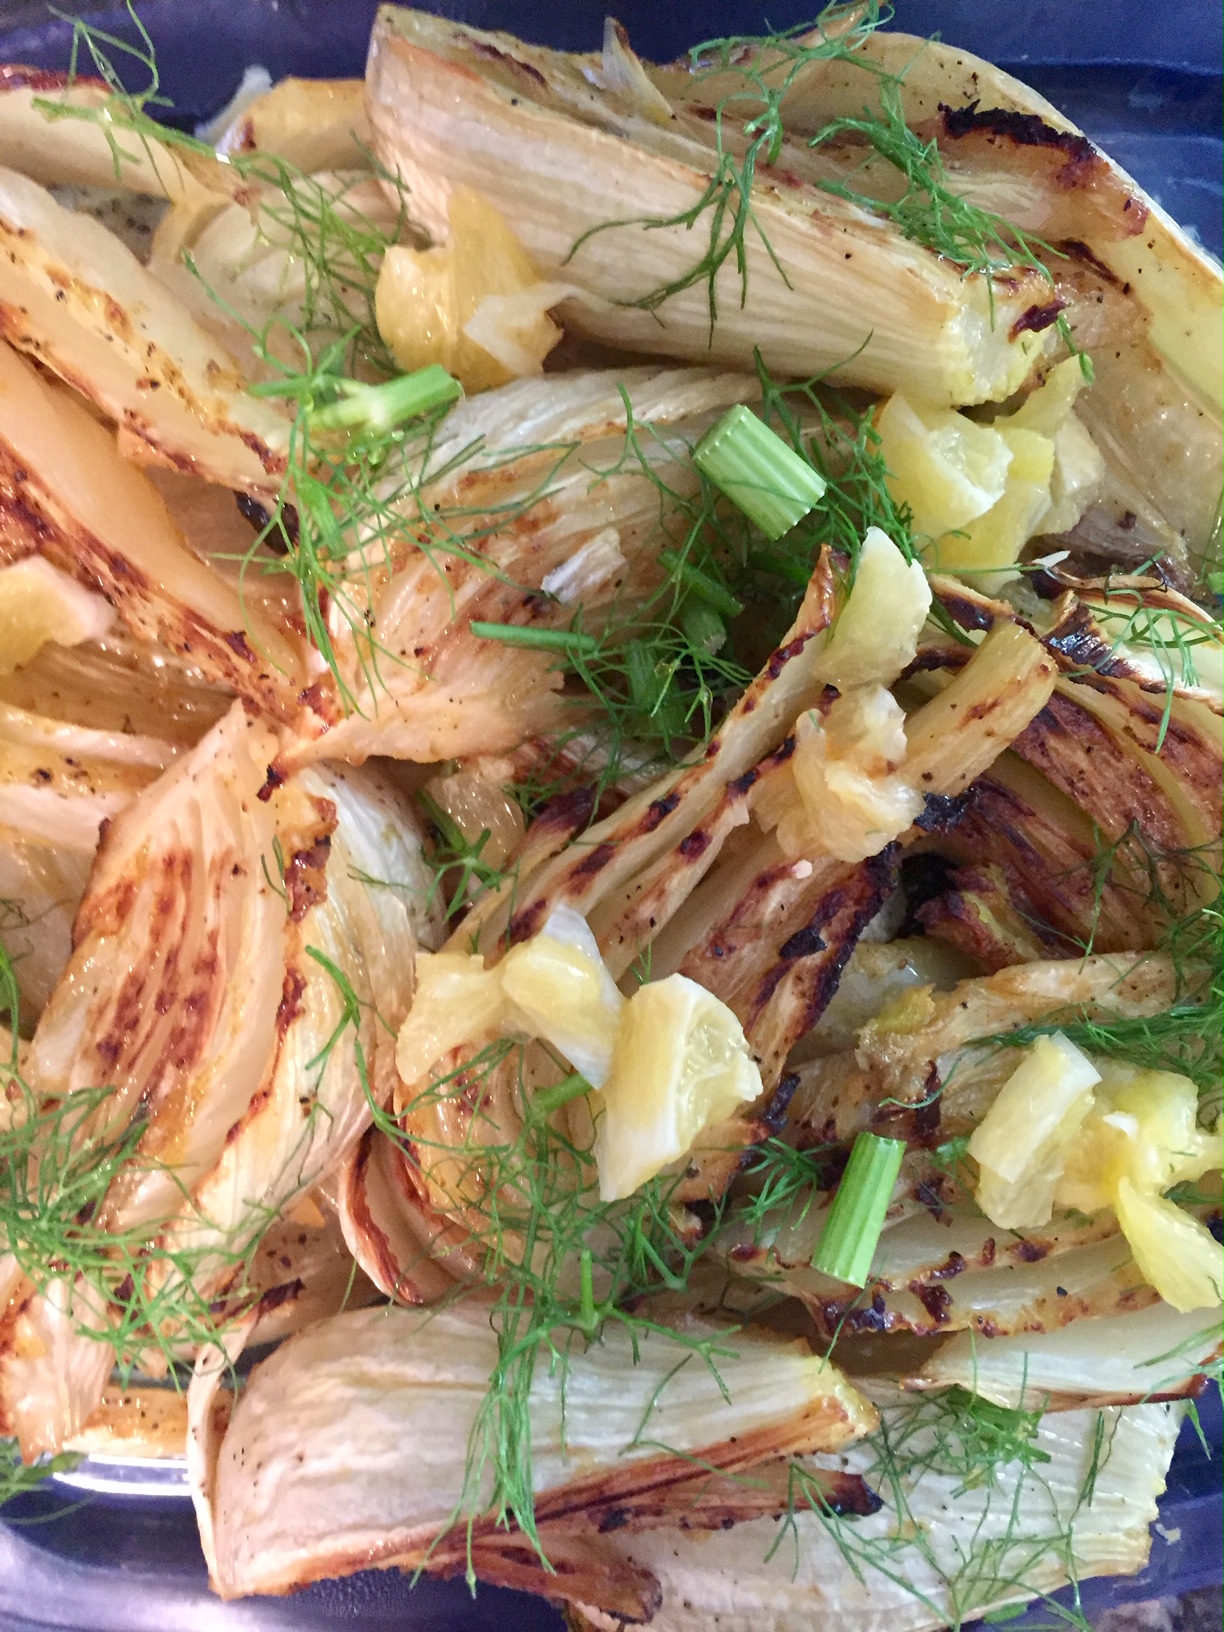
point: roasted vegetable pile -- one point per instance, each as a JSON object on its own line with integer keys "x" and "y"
{"x": 610, "y": 813}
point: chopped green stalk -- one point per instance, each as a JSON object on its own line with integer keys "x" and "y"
{"x": 773, "y": 485}
{"x": 650, "y": 688}
{"x": 701, "y": 584}
{"x": 703, "y": 627}
{"x": 791, "y": 567}
{"x": 852, "y": 1230}
{"x": 378, "y": 409}
{"x": 587, "y": 1313}
{"x": 542, "y": 640}
{"x": 640, "y": 673}
{"x": 547, "y": 1100}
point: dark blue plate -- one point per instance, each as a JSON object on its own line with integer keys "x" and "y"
{"x": 1145, "y": 82}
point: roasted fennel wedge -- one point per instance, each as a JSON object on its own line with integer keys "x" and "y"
{"x": 217, "y": 945}
{"x": 624, "y": 1421}
{"x": 605, "y": 186}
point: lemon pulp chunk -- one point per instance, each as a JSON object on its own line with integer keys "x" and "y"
{"x": 681, "y": 1063}
{"x": 994, "y": 541}
{"x": 564, "y": 992}
{"x": 426, "y": 299}
{"x": 1062, "y": 1132}
{"x": 456, "y": 999}
{"x": 875, "y": 635}
{"x": 947, "y": 468}
{"x": 1175, "y": 1253}
{"x": 1021, "y": 1144}
{"x": 39, "y": 603}
{"x": 672, "y": 1060}
{"x": 851, "y": 803}
{"x": 979, "y": 492}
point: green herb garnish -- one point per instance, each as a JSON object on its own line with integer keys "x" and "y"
{"x": 375, "y": 411}
{"x": 749, "y": 131}
{"x": 1182, "y": 891}
{"x": 457, "y": 861}
{"x": 767, "y": 68}
{"x": 929, "y": 212}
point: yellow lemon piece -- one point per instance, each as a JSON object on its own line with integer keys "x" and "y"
{"x": 1101, "y": 1155}
{"x": 681, "y": 1064}
{"x": 989, "y": 546}
{"x": 1077, "y": 479}
{"x": 850, "y": 804}
{"x": 1143, "y": 1127}
{"x": 457, "y": 1000}
{"x": 903, "y": 1014}
{"x": 1047, "y": 408}
{"x": 1175, "y": 1253}
{"x": 875, "y": 635}
{"x": 1171, "y": 1147}
{"x": 947, "y": 468}
{"x": 1062, "y": 1132}
{"x": 564, "y": 993}
{"x": 427, "y": 299}
{"x": 980, "y": 492}
{"x": 1021, "y": 1145}
{"x": 38, "y": 603}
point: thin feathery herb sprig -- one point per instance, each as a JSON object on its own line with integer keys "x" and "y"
{"x": 1175, "y": 639}
{"x": 653, "y": 677}
{"x": 556, "y": 1265}
{"x": 779, "y": 1181}
{"x": 460, "y": 867}
{"x": 843, "y": 446}
{"x": 977, "y": 1439}
{"x": 129, "y": 1291}
{"x": 338, "y": 509}
{"x": 767, "y": 68}
{"x": 355, "y": 506}
{"x": 929, "y": 212}
{"x": 659, "y": 674}
{"x": 18, "y": 1478}
{"x": 664, "y": 668}
{"x": 1198, "y": 1356}
{"x": 749, "y": 132}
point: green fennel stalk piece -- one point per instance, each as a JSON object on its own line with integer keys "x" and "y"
{"x": 377, "y": 410}
{"x": 773, "y": 485}
{"x": 852, "y": 1230}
